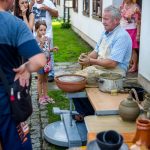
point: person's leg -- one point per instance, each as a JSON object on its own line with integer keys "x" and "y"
{"x": 51, "y": 74}
{"x": 134, "y": 60}
{"x": 83, "y": 106}
{"x": 45, "y": 86}
{"x": 10, "y": 136}
{"x": 40, "y": 85}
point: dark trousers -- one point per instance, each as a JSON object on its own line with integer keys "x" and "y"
{"x": 9, "y": 137}
{"x": 83, "y": 106}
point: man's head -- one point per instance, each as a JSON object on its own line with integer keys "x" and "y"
{"x": 6, "y": 4}
{"x": 111, "y": 18}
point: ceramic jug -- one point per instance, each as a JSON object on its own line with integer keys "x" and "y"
{"x": 129, "y": 109}
{"x": 146, "y": 103}
{"x": 141, "y": 138}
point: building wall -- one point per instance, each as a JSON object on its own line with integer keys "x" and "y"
{"x": 87, "y": 27}
{"x": 144, "y": 57}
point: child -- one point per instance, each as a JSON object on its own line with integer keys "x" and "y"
{"x": 44, "y": 43}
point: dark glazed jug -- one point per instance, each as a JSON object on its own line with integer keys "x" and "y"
{"x": 128, "y": 108}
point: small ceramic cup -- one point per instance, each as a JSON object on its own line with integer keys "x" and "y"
{"x": 109, "y": 140}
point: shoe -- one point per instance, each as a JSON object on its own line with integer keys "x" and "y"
{"x": 49, "y": 99}
{"x": 42, "y": 101}
{"x": 50, "y": 78}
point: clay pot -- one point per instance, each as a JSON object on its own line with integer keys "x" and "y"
{"x": 71, "y": 82}
{"x": 109, "y": 140}
{"x": 142, "y": 133}
{"x": 129, "y": 109}
{"x": 146, "y": 102}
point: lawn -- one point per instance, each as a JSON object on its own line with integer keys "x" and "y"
{"x": 70, "y": 47}
{"x": 69, "y": 43}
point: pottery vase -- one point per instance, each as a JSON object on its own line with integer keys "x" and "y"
{"x": 146, "y": 103}
{"x": 129, "y": 109}
{"x": 141, "y": 138}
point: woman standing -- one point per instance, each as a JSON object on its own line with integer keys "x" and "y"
{"x": 131, "y": 17}
{"x": 21, "y": 10}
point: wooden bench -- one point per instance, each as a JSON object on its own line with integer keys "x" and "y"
{"x": 104, "y": 103}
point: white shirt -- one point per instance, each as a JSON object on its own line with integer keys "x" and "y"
{"x": 44, "y": 15}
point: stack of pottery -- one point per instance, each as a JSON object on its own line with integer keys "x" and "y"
{"x": 129, "y": 109}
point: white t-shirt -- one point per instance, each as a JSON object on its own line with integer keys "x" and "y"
{"x": 44, "y": 15}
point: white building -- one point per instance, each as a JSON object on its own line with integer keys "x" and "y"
{"x": 86, "y": 21}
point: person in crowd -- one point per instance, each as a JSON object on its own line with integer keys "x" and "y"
{"x": 21, "y": 10}
{"x": 111, "y": 54}
{"x": 131, "y": 18}
{"x": 16, "y": 41}
{"x": 44, "y": 10}
{"x": 44, "y": 43}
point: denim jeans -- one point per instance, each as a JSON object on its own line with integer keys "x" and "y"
{"x": 83, "y": 106}
{"x": 52, "y": 72}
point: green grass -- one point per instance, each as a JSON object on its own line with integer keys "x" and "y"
{"x": 70, "y": 47}
{"x": 63, "y": 103}
{"x": 69, "y": 43}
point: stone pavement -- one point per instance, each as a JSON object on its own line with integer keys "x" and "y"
{"x": 39, "y": 118}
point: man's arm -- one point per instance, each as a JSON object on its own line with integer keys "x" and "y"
{"x": 53, "y": 12}
{"x": 108, "y": 63}
{"x": 92, "y": 59}
{"x": 34, "y": 64}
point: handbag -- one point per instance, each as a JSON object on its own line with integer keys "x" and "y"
{"x": 20, "y": 99}
{"x": 47, "y": 67}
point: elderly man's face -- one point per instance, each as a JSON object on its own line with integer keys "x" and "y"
{"x": 108, "y": 22}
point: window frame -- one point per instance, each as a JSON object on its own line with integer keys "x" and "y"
{"x": 86, "y": 8}
{"x": 97, "y": 9}
{"x": 75, "y": 5}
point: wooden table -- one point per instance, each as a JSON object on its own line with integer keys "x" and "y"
{"x": 104, "y": 103}
{"x": 106, "y": 118}
{"x": 97, "y": 124}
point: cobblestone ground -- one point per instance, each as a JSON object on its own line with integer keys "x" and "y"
{"x": 39, "y": 118}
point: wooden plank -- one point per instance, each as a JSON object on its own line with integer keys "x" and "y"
{"x": 97, "y": 124}
{"x": 104, "y": 102}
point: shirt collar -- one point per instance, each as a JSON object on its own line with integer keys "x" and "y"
{"x": 109, "y": 33}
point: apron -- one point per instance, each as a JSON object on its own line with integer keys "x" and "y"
{"x": 93, "y": 72}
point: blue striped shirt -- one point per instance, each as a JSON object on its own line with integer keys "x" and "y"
{"x": 120, "y": 46}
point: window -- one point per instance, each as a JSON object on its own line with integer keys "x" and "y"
{"x": 75, "y": 5}
{"x": 97, "y": 9}
{"x": 86, "y": 7}
{"x": 58, "y": 2}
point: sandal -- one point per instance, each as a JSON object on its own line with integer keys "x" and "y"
{"x": 49, "y": 99}
{"x": 42, "y": 101}
{"x": 78, "y": 117}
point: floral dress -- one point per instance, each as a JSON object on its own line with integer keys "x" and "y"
{"x": 131, "y": 17}
{"x": 45, "y": 50}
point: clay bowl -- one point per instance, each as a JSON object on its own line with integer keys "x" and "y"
{"x": 71, "y": 82}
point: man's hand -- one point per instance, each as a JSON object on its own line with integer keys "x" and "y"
{"x": 84, "y": 59}
{"x": 22, "y": 74}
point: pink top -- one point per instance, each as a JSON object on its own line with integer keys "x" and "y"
{"x": 130, "y": 15}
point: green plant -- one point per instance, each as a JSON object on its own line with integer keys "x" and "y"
{"x": 65, "y": 25}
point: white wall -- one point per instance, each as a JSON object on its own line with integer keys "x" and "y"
{"x": 144, "y": 58}
{"x": 92, "y": 28}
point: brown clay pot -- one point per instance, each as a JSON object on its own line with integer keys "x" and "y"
{"x": 71, "y": 82}
{"x": 142, "y": 136}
